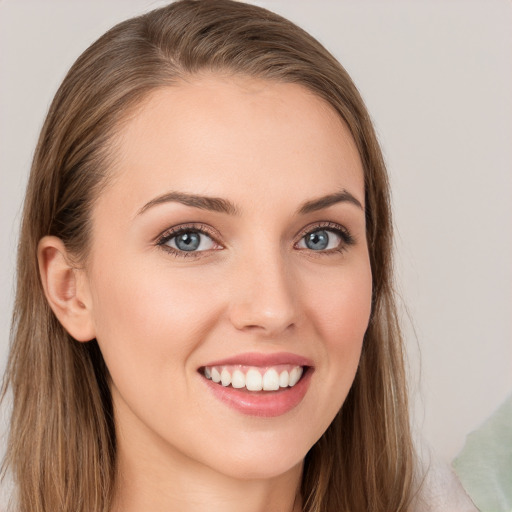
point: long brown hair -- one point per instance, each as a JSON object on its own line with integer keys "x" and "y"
{"x": 62, "y": 447}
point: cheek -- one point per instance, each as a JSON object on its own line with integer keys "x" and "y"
{"x": 341, "y": 310}
{"x": 342, "y": 306}
{"x": 144, "y": 316}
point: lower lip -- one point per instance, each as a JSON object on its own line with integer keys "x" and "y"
{"x": 265, "y": 404}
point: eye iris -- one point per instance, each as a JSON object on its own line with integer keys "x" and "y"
{"x": 188, "y": 241}
{"x": 317, "y": 241}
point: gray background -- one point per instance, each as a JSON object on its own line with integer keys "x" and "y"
{"x": 437, "y": 78}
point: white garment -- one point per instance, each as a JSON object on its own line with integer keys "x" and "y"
{"x": 441, "y": 491}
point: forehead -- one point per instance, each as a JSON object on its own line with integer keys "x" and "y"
{"x": 227, "y": 135}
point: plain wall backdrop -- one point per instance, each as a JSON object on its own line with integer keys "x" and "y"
{"x": 437, "y": 79}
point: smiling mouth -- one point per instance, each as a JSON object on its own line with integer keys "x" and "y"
{"x": 254, "y": 378}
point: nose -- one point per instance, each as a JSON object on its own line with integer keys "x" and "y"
{"x": 264, "y": 298}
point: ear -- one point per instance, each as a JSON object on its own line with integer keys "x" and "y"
{"x": 66, "y": 289}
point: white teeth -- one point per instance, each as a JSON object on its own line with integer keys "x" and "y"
{"x": 215, "y": 375}
{"x": 295, "y": 375}
{"x": 253, "y": 380}
{"x": 238, "y": 379}
{"x": 271, "y": 380}
{"x": 225, "y": 377}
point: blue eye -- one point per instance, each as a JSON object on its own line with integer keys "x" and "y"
{"x": 320, "y": 240}
{"x": 323, "y": 239}
{"x": 189, "y": 241}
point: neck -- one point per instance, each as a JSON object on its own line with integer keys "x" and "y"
{"x": 159, "y": 480}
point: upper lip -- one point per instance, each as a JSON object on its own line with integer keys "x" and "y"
{"x": 259, "y": 359}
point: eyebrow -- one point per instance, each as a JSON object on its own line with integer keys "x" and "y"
{"x": 324, "y": 202}
{"x": 215, "y": 204}
{"x": 220, "y": 205}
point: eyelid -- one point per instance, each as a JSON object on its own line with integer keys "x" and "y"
{"x": 327, "y": 225}
{"x": 162, "y": 239}
{"x": 342, "y": 231}
{"x": 188, "y": 226}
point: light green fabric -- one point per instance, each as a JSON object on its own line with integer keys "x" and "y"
{"x": 485, "y": 464}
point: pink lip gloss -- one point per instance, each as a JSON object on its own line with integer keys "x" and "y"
{"x": 266, "y": 404}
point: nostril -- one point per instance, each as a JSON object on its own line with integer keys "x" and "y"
{"x": 250, "y": 317}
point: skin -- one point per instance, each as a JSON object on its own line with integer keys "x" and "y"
{"x": 267, "y": 148}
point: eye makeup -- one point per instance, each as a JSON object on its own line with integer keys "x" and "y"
{"x": 203, "y": 230}
{"x": 200, "y": 239}
{"x": 346, "y": 238}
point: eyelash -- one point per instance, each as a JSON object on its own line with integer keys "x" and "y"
{"x": 186, "y": 228}
{"x": 346, "y": 237}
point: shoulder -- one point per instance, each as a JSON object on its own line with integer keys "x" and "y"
{"x": 440, "y": 490}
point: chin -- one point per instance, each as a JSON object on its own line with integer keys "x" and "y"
{"x": 261, "y": 469}
{"x": 266, "y": 459}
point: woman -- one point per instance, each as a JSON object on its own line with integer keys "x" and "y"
{"x": 204, "y": 294}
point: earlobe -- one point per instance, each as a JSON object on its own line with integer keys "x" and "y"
{"x": 65, "y": 289}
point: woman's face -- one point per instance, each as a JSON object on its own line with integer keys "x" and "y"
{"x": 230, "y": 244}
